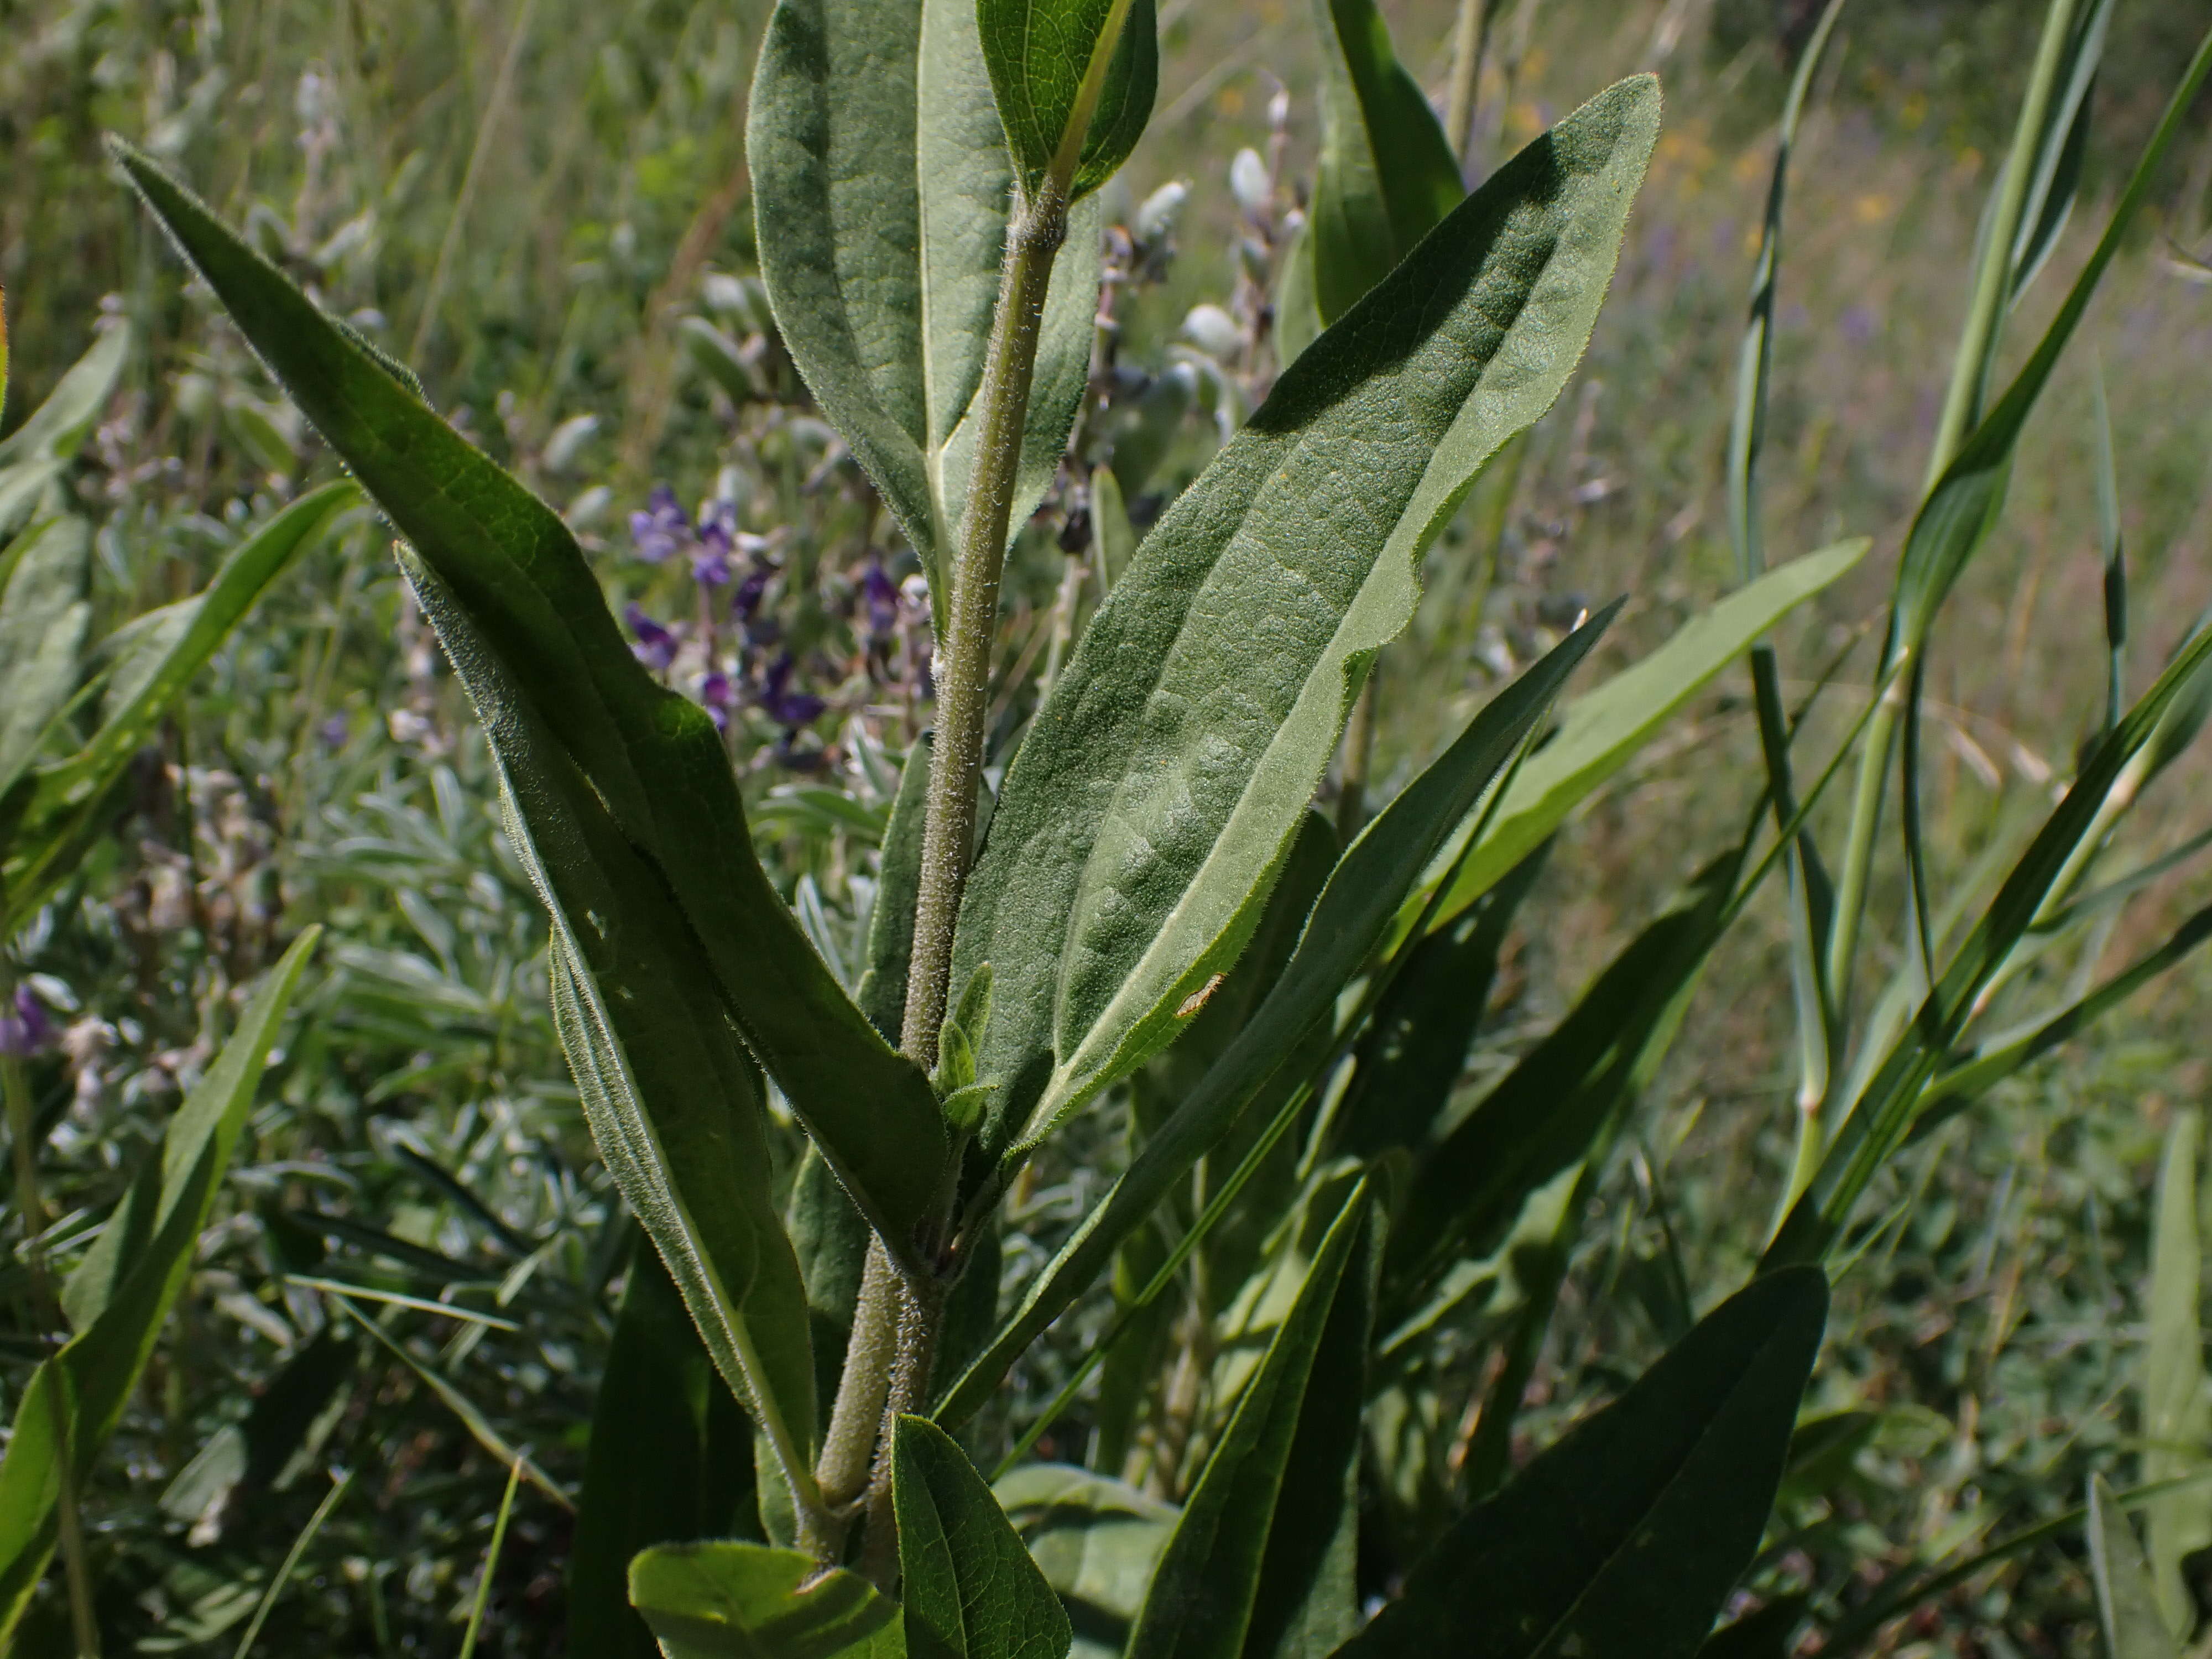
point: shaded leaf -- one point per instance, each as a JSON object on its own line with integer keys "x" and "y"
{"x": 670, "y": 1459}
{"x": 1386, "y": 175}
{"x": 1073, "y": 81}
{"x": 1095, "y": 1540}
{"x": 1154, "y": 800}
{"x": 1260, "y": 1562}
{"x": 969, "y": 1589}
{"x": 2127, "y": 1597}
{"x": 1627, "y": 1535}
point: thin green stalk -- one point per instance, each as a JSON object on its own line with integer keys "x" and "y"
{"x": 491, "y": 1561}
{"x": 1359, "y": 755}
{"x": 1962, "y": 410}
{"x": 1470, "y": 42}
{"x": 291, "y": 1562}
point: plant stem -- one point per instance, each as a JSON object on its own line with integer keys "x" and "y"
{"x": 849, "y": 1447}
{"x": 1358, "y": 752}
{"x": 922, "y": 1306}
{"x": 1470, "y": 39}
{"x": 963, "y": 673}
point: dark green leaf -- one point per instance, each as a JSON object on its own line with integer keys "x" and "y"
{"x": 1627, "y": 1535}
{"x": 898, "y": 881}
{"x": 1261, "y": 1562}
{"x": 516, "y": 578}
{"x": 1387, "y": 174}
{"x": 970, "y": 1591}
{"x": 725, "y": 1600}
{"x": 1074, "y": 81}
{"x": 882, "y": 183}
{"x": 670, "y": 1460}
{"x": 279, "y": 1437}
{"x": 1768, "y": 1633}
{"x": 1154, "y": 800}
{"x": 1347, "y": 923}
{"x": 123, "y": 1291}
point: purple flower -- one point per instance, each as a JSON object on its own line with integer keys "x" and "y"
{"x": 1859, "y": 324}
{"x": 747, "y": 604}
{"x": 656, "y": 646}
{"x": 719, "y": 695}
{"x": 710, "y": 556}
{"x": 335, "y": 731}
{"x": 782, "y": 704}
{"x": 28, "y": 1030}
{"x": 661, "y": 528}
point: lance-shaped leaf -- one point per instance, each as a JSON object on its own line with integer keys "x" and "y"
{"x": 2128, "y": 1614}
{"x": 1154, "y": 800}
{"x": 1261, "y": 1562}
{"x": 969, "y": 1589}
{"x": 724, "y": 1600}
{"x": 652, "y": 758}
{"x": 670, "y": 1459}
{"x": 2175, "y": 1415}
{"x": 1074, "y": 81}
{"x": 881, "y": 185}
{"x": 671, "y": 1097}
{"x": 121, "y": 1294}
{"x": 1386, "y": 175}
{"x": 1603, "y": 730}
{"x": 65, "y": 806}
{"x": 1347, "y": 923}
{"x": 1627, "y": 1535}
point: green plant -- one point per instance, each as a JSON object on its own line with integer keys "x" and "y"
{"x": 1155, "y": 913}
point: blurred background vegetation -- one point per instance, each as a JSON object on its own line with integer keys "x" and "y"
{"x": 544, "y": 207}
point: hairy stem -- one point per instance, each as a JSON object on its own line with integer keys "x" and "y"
{"x": 921, "y": 1308}
{"x": 963, "y": 667}
{"x": 849, "y": 1449}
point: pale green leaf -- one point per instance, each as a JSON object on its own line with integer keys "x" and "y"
{"x": 2127, "y": 1598}
{"x": 731, "y": 1600}
{"x": 2176, "y": 1413}
{"x": 38, "y": 452}
{"x": 1151, "y": 804}
{"x": 1097, "y": 1541}
{"x": 44, "y": 617}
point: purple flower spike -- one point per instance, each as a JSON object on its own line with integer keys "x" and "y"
{"x": 661, "y": 528}
{"x": 656, "y": 646}
{"x": 720, "y": 696}
{"x": 747, "y": 604}
{"x": 782, "y": 705}
{"x": 26, "y": 1029}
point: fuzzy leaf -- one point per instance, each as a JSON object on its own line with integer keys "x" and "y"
{"x": 1627, "y": 1535}
{"x": 1154, "y": 800}
{"x": 882, "y": 186}
{"x": 652, "y": 759}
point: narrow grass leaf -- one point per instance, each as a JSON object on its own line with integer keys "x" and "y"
{"x": 1627, "y": 1535}
{"x": 1154, "y": 797}
{"x": 491, "y": 1562}
{"x": 2128, "y": 1613}
{"x": 122, "y": 1292}
{"x": 513, "y": 575}
{"x": 1605, "y": 727}
{"x": 969, "y": 1589}
{"x": 1347, "y": 924}
{"x": 2177, "y": 1415}
{"x": 733, "y": 1600}
{"x": 291, "y": 1562}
